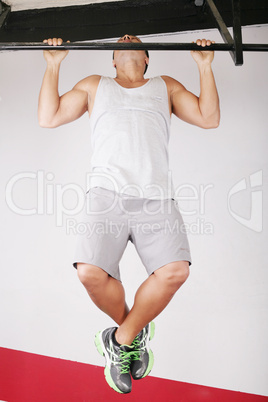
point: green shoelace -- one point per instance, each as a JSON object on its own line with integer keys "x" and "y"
{"x": 126, "y": 358}
{"x": 137, "y": 345}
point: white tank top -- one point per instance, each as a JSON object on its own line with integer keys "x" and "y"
{"x": 130, "y": 130}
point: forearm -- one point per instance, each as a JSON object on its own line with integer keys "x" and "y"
{"x": 49, "y": 99}
{"x": 208, "y": 100}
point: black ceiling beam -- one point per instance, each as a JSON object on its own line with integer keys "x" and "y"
{"x": 220, "y": 23}
{"x": 4, "y": 13}
{"x": 99, "y": 20}
{"x": 236, "y": 42}
{"x": 237, "y": 33}
{"x": 113, "y": 19}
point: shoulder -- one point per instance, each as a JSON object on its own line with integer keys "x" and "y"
{"x": 88, "y": 84}
{"x": 172, "y": 84}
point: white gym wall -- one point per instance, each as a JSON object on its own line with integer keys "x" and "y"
{"x": 215, "y": 330}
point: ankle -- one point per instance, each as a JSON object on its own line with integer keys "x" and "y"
{"x": 123, "y": 338}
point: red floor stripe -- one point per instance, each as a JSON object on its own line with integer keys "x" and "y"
{"x": 27, "y": 377}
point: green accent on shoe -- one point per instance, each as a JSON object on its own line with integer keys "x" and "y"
{"x": 136, "y": 342}
{"x": 117, "y": 361}
{"x": 106, "y": 370}
{"x": 150, "y": 365}
{"x": 109, "y": 380}
{"x": 142, "y": 358}
{"x": 152, "y": 330}
{"x": 98, "y": 343}
{"x": 126, "y": 358}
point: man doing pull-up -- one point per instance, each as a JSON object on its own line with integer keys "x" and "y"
{"x": 131, "y": 189}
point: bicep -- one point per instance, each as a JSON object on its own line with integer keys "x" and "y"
{"x": 73, "y": 105}
{"x": 185, "y": 105}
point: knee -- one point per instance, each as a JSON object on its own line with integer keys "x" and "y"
{"x": 183, "y": 272}
{"x": 91, "y": 276}
{"x": 176, "y": 273}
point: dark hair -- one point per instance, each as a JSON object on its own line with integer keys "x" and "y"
{"x": 147, "y": 55}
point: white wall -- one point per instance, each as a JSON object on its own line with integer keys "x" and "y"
{"x": 214, "y": 332}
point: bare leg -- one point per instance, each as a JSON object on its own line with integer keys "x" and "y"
{"x": 151, "y": 299}
{"x": 106, "y": 292}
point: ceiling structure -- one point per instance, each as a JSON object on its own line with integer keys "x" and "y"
{"x": 80, "y": 20}
{"x": 19, "y": 5}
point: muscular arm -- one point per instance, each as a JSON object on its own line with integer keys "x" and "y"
{"x": 55, "y": 110}
{"x": 202, "y": 111}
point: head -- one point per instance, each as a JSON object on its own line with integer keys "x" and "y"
{"x": 131, "y": 38}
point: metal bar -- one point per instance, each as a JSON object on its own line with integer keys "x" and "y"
{"x": 112, "y": 46}
{"x": 9, "y": 46}
{"x": 255, "y": 47}
{"x": 4, "y": 15}
{"x": 226, "y": 36}
{"x": 237, "y": 33}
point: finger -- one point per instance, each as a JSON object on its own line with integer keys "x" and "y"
{"x": 208, "y": 42}
{"x": 198, "y": 42}
{"x": 45, "y": 41}
{"x": 204, "y": 42}
{"x": 50, "y": 42}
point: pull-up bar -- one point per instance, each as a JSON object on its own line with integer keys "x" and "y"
{"x": 233, "y": 44}
{"x": 250, "y": 47}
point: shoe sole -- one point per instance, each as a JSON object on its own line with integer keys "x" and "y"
{"x": 102, "y": 351}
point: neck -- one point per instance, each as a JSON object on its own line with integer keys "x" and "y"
{"x": 130, "y": 73}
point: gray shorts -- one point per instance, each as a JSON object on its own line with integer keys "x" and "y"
{"x": 111, "y": 219}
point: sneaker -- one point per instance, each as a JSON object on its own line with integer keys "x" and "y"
{"x": 117, "y": 361}
{"x": 143, "y": 359}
